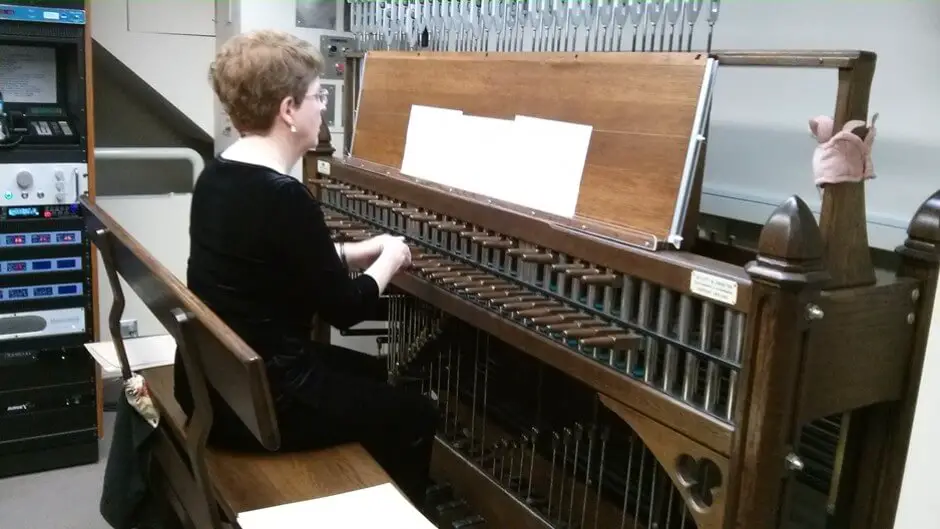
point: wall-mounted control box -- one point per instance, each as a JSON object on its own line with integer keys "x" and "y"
{"x": 334, "y": 50}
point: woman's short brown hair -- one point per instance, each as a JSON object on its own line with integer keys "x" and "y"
{"x": 254, "y": 72}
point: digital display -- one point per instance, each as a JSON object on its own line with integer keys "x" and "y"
{"x": 41, "y": 292}
{"x": 23, "y": 212}
{"x": 18, "y": 293}
{"x": 50, "y": 238}
{"x": 49, "y": 4}
{"x": 57, "y": 11}
{"x": 44, "y": 111}
{"x": 38, "y": 266}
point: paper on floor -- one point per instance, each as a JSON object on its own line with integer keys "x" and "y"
{"x": 142, "y": 353}
{"x": 380, "y": 506}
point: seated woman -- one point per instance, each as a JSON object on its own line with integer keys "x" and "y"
{"x": 261, "y": 258}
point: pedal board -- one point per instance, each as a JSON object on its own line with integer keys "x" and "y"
{"x": 447, "y": 511}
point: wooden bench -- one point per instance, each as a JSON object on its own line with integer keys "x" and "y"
{"x": 207, "y": 486}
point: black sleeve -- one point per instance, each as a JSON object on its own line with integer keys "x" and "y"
{"x": 310, "y": 254}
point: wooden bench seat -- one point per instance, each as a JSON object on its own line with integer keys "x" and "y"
{"x": 206, "y": 487}
{"x": 245, "y": 482}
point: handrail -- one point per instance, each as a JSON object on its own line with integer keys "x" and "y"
{"x": 154, "y": 153}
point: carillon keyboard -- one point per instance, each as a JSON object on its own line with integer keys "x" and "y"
{"x": 686, "y": 347}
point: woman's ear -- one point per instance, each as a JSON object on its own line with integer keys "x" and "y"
{"x": 286, "y": 110}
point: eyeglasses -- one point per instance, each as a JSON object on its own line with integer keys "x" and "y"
{"x": 320, "y": 97}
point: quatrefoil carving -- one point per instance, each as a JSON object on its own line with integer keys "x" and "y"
{"x": 701, "y": 479}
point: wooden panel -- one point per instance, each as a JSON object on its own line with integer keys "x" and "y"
{"x": 641, "y": 106}
{"x": 248, "y": 481}
{"x": 93, "y": 260}
{"x": 863, "y": 339}
{"x": 230, "y": 366}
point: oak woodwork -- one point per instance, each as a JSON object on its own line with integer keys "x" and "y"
{"x": 638, "y": 145}
{"x": 674, "y": 451}
{"x": 842, "y": 218}
{"x": 323, "y": 151}
{"x": 671, "y": 269}
{"x": 878, "y": 316}
{"x": 245, "y": 482}
{"x": 826, "y": 334}
{"x": 92, "y": 172}
{"x": 787, "y": 275}
{"x": 201, "y": 483}
{"x": 881, "y": 433}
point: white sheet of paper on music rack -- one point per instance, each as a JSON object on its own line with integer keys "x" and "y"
{"x": 535, "y": 163}
{"x": 486, "y": 159}
{"x": 380, "y": 506}
{"x": 551, "y": 155}
{"x": 428, "y": 144}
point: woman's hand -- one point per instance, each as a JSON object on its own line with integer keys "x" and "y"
{"x": 362, "y": 254}
{"x": 384, "y": 239}
{"x": 395, "y": 257}
{"x": 396, "y": 248}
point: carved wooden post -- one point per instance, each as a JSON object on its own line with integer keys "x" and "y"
{"x": 920, "y": 259}
{"x": 787, "y": 276}
{"x": 324, "y": 148}
{"x": 323, "y": 151}
{"x": 878, "y": 436}
{"x": 842, "y": 219}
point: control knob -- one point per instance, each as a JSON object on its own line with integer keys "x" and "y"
{"x": 60, "y": 197}
{"x": 24, "y": 179}
{"x": 59, "y": 175}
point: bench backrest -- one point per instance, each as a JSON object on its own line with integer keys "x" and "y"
{"x": 212, "y": 354}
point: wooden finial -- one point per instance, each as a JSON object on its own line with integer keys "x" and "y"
{"x": 790, "y": 248}
{"x": 786, "y": 275}
{"x": 923, "y": 233}
{"x": 324, "y": 146}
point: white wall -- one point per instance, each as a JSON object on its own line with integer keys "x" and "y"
{"x": 152, "y": 39}
{"x": 240, "y": 16}
{"x": 167, "y": 240}
{"x": 918, "y": 507}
